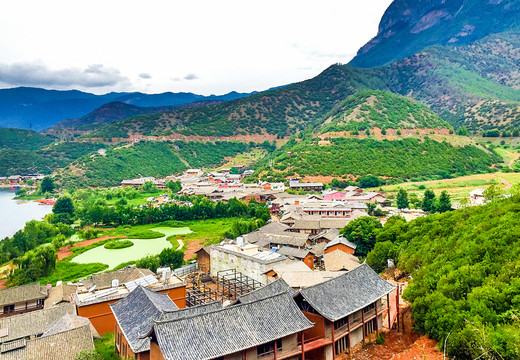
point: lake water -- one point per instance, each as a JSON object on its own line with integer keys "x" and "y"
{"x": 15, "y": 213}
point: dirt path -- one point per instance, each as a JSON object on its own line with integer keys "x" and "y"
{"x": 181, "y": 244}
{"x": 515, "y": 156}
{"x": 66, "y": 252}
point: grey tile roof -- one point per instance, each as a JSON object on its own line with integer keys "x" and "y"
{"x": 230, "y": 329}
{"x": 277, "y": 287}
{"x": 336, "y": 298}
{"x": 34, "y": 322}
{"x": 338, "y": 260}
{"x": 290, "y": 251}
{"x": 318, "y": 249}
{"x": 135, "y": 315}
{"x": 59, "y": 294}
{"x": 191, "y": 311}
{"x": 69, "y": 322}
{"x": 104, "y": 280}
{"x": 22, "y": 293}
{"x": 273, "y": 228}
{"x": 329, "y": 235}
{"x": 341, "y": 240}
{"x": 64, "y": 346}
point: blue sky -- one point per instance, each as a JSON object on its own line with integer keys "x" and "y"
{"x": 201, "y": 46}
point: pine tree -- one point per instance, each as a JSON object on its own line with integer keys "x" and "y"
{"x": 428, "y": 203}
{"x": 444, "y": 202}
{"x": 402, "y": 199}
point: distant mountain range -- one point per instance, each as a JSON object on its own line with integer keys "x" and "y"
{"x": 36, "y": 108}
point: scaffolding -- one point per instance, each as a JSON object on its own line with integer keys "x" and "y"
{"x": 232, "y": 284}
{"x": 200, "y": 294}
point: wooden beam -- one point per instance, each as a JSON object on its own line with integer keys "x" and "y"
{"x": 303, "y": 345}
{"x": 377, "y": 320}
{"x": 333, "y": 343}
{"x": 388, "y": 305}
{"x": 363, "y": 323}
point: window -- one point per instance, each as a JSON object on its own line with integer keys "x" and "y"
{"x": 341, "y": 345}
{"x": 8, "y": 308}
{"x": 369, "y": 307}
{"x": 268, "y": 348}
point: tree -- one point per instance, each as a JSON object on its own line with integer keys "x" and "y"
{"x": 47, "y": 185}
{"x": 150, "y": 262}
{"x": 463, "y": 131}
{"x": 493, "y": 192}
{"x": 402, "y": 199}
{"x": 369, "y": 181}
{"x": 174, "y": 186}
{"x": 172, "y": 258}
{"x": 428, "y": 203}
{"x": 362, "y": 232}
{"x": 63, "y": 205}
{"x": 444, "y": 202}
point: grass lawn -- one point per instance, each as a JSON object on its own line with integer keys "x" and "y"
{"x": 206, "y": 232}
{"x": 458, "y": 188}
{"x": 243, "y": 159}
{"x": 105, "y": 347}
{"x": 66, "y": 271}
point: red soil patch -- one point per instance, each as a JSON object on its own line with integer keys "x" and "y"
{"x": 2, "y": 283}
{"x": 191, "y": 248}
{"x": 66, "y": 252}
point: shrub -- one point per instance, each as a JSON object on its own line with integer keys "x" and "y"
{"x": 119, "y": 244}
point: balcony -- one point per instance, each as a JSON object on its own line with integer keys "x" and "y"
{"x": 7, "y": 313}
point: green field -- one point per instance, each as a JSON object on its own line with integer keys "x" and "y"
{"x": 141, "y": 248}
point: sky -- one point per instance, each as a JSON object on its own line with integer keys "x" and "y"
{"x": 200, "y": 46}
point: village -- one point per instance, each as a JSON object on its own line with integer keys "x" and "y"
{"x": 292, "y": 289}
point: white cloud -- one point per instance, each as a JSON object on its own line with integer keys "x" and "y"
{"x": 229, "y": 44}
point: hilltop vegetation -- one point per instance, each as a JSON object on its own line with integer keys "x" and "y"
{"x": 368, "y": 109}
{"x": 409, "y": 158}
{"x": 466, "y": 279}
{"x": 46, "y": 160}
{"x": 157, "y": 159}
{"x": 19, "y": 139}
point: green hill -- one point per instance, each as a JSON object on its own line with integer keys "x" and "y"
{"x": 409, "y": 158}
{"x": 21, "y": 139}
{"x": 465, "y": 266}
{"x": 157, "y": 159}
{"x": 369, "y": 109}
{"x": 46, "y": 160}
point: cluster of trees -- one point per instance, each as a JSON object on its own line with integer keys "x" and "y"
{"x": 98, "y": 212}
{"x": 33, "y": 261}
{"x": 367, "y": 181}
{"x": 402, "y": 159}
{"x": 504, "y": 133}
{"x": 466, "y": 282}
{"x": 168, "y": 257}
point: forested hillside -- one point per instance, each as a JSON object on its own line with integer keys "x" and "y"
{"x": 409, "y": 158}
{"x": 465, "y": 266}
{"x": 45, "y": 160}
{"x": 157, "y": 159}
{"x": 369, "y": 109}
{"x": 20, "y": 139}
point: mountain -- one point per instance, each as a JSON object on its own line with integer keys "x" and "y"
{"x": 116, "y": 110}
{"x": 467, "y": 85}
{"x": 21, "y": 139}
{"x": 39, "y": 109}
{"x": 408, "y": 26}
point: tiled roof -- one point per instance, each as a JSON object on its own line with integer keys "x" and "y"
{"x": 293, "y": 239}
{"x": 34, "y": 322}
{"x": 59, "y": 294}
{"x": 277, "y": 287}
{"x": 64, "y": 346}
{"x": 339, "y": 260}
{"x": 22, "y": 293}
{"x": 230, "y": 329}
{"x": 191, "y": 311}
{"x": 329, "y": 235}
{"x": 104, "y": 280}
{"x": 290, "y": 251}
{"x": 137, "y": 311}
{"x": 341, "y": 240}
{"x": 347, "y": 293}
{"x": 69, "y": 322}
{"x": 303, "y": 279}
{"x": 318, "y": 249}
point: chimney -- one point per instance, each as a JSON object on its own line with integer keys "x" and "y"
{"x": 115, "y": 283}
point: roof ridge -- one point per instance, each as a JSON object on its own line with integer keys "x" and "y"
{"x": 224, "y": 308}
{"x": 338, "y": 277}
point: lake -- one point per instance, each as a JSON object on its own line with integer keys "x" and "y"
{"x": 15, "y": 213}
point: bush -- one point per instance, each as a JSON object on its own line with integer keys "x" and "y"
{"x": 120, "y": 244}
{"x": 145, "y": 234}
